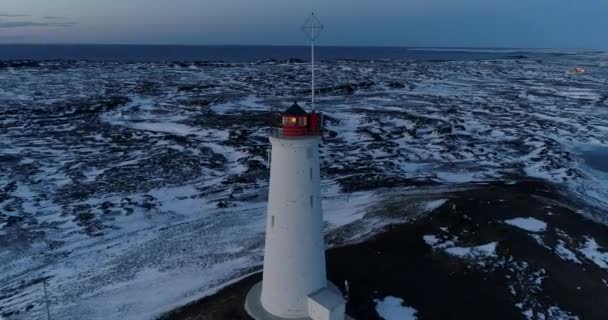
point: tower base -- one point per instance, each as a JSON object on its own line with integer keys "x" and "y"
{"x": 253, "y": 304}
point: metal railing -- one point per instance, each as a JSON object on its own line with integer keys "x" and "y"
{"x": 294, "y": 133}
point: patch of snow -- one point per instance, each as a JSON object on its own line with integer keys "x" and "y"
{"x": 434, "y": 204}
{"x": 578, "y": 93}
{"x": 248, "y": 103}
{"x": 538, "y": 277}
{"x": 528, "y": 224}
{"x": 565, "y": 253}
{"x": 157, "y": 291}
{"x": 556, "y": 313}
{"x": 339, "y": 214}
{"x": 431, "y": 240}
{"x": 552, "y": 313}
{"x": 392, "y": 308}
{"x": 457, "y": 177}
{"x": 591, "y": 251}
{"x": 165, "y": 127}
{"x": 183, "y": 200}
{"x": 347, "y": 128}
{"x": 486, "y": 250}
{"x": 540, "y": 241}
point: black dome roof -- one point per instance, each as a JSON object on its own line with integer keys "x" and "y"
{"x": 295, "y": 110}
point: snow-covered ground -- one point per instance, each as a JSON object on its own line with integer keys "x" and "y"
{"x": 392, "y": 308}
{"x": 487, "y": 250}
{"x": 528, "y": 224}
{"x": 136, "y": 187}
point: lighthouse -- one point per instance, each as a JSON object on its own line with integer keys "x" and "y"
{"x": 294, "y": 283}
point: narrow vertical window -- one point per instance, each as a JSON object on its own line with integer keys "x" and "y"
{"x": 271, "y": 221}
{"x": 311, "y": 203}
{"x": 311, "y": 174}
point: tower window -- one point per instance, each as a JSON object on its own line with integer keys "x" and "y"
{"x": 311, "y": 174}
{"x": 272, "y": 221}
{"x": 290, "y": 121}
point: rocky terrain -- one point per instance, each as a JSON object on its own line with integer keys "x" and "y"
{"x": 133, "y": 188}
{"x": 492, "y": 251}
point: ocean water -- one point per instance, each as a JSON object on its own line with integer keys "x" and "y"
{"x": 142, "y": 53}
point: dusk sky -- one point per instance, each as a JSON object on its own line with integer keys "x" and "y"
{"x": 477, "y": 23}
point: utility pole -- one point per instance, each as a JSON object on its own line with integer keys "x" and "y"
{"x": 46, "y": 300}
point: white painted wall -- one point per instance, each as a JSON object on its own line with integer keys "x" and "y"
{"x": 326, "y": 304}
{"x": 294, "y": 257}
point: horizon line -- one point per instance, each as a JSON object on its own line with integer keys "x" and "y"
{"x": 293, "y": 45}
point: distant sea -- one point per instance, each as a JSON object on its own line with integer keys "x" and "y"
{"x": 143, "y": 53}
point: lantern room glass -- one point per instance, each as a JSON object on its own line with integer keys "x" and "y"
{"x": 290, "y": 121}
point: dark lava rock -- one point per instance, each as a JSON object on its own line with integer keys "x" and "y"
{"x": 164, "y": 167}
{"x": 81, "y": 107}
{"x": 253, "y": 119}
{"x": 442, "y": 286}
{"x": 148, "y": 88}
{"x": 346, "y": 89}
{"x": 395, "y": 85}
{"x": 198, "y": 87}
{"x": 372, "y": 181}
{"x": 223, "y": 204}
{"x": 13, "y": 221}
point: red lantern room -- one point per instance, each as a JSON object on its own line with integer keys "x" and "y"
{"x": 297, "y": 122}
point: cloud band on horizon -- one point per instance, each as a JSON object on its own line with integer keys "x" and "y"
{"x": 23, "y": 24}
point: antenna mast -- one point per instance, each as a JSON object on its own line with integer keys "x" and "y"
{"x": 312, "y": 27}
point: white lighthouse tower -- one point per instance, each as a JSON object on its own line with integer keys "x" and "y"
{"x": 294, "y": 284}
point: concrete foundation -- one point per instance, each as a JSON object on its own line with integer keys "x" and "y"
{"x": 254, "y": 307}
